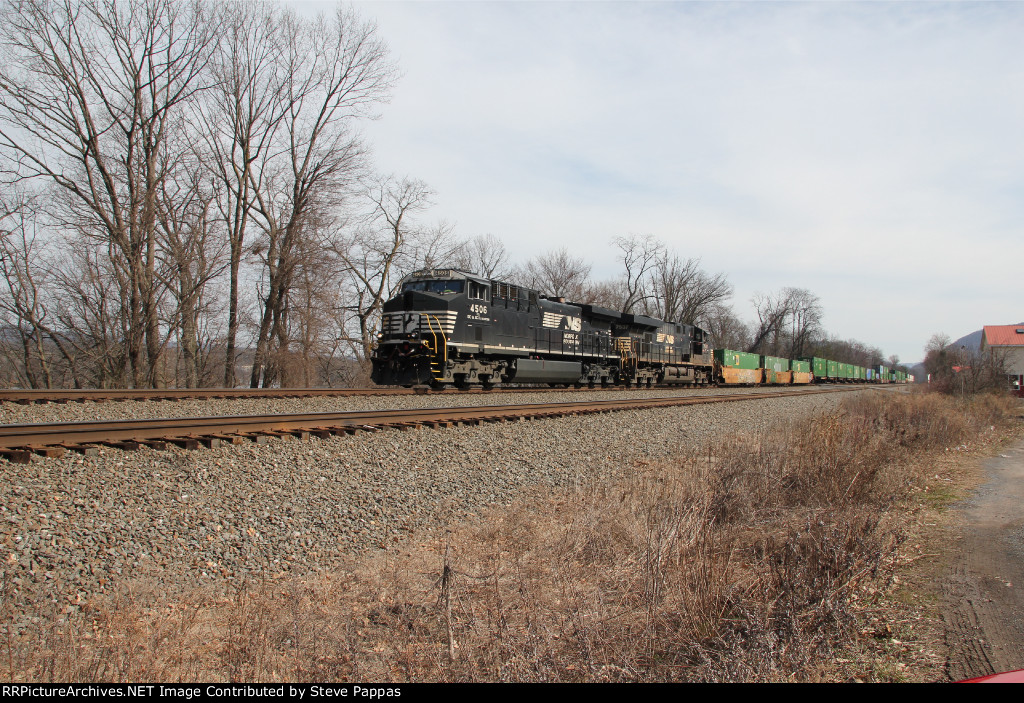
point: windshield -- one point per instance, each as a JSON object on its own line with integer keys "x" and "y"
{"x": 440, "y": 287}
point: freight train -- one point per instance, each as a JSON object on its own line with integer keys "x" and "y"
{"x": 449, "y": 327}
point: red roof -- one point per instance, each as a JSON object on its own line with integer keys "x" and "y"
{"x": 1004, "y": 335}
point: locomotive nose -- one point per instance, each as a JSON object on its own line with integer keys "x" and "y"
{"x": 415, "y": 300}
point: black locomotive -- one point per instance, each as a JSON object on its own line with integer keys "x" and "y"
{"x": 451, "y": 327}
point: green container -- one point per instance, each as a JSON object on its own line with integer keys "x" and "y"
{"x": 774, "y": 363}
{"x": 801, "y": 366}
{"x": 819, "y": 366}
{"x": 730, "y": 358}
{"x": 833, "y": 369}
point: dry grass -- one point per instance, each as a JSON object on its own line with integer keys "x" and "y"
{"x": 754, "y": 560}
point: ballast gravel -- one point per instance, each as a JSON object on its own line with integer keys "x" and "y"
{"x": 77, "y": 527}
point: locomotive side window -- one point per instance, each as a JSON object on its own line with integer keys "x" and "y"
{"x": 477, "y": 291}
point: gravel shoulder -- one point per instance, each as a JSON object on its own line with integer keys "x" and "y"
{"x": 77, "y": 527}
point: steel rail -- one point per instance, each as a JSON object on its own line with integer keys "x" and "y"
{"x": 25, "y": 397}
{"x": 63, "y": 396}
{"x": 38, "y": 435}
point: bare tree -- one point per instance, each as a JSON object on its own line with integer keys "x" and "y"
{"x": 336, "y": 72}
{"x": 22, "y": 302}
{"x": 660, "y": 283}
{"x": 484, "y": 255}
{"x": 432, "y": 246}
{"x": 607, "y": 294}
{"x": 238, "y": 128}
{"x": 683, "y": 292}
{"x": 772, "y": 311}
{"x": 726, "y": 330}
{"x": 556, "y": 274}
{"x": 960, "y": 370}
{"x": 314, "y": 298}
{"x": 804, "y": 321}
{"x": 184, "y": 144}
{"x": 938, "y": 342}
{"x": 192, "y": 254}
{"x": 376, "y": 253}
{"x": 639, "y": 257}
{"x": 89, "y": 94}
{"x": 88, "y": 312}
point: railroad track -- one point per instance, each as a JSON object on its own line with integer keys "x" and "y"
{"x": 19, "y": 442}
{"x": 27, "y": 397}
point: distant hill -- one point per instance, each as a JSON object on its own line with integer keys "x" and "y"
{"x": 969, "y": 341}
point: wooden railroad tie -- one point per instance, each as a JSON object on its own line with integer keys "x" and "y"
{"x": 125, "y": 445}
{"x": 16, "y": 456}
{"x": 83, "y": 449}
{"x": 46, "y": 451}
{"x": 229, "y": 438}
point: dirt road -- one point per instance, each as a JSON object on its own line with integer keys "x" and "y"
{"x": 984, "y": 593}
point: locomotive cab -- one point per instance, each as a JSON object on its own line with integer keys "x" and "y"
{"x": 419, "y": 325}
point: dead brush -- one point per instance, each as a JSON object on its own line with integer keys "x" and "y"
{"x": 791, "y": 606}
{"x": 933, "y": 420}
{"x": 609, "y": 575}
{"x": 846, "y": 457}
{"x": 832, "y": 460}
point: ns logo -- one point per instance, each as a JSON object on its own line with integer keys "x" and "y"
{"x": 567, "y": 322}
